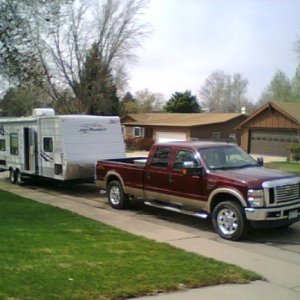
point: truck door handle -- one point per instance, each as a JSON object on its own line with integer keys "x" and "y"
{"x": 171, "y": 179}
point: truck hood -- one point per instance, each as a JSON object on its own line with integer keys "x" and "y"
{"x": 252, "y": 176}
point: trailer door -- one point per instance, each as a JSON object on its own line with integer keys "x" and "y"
{"x": 30, "y": 150}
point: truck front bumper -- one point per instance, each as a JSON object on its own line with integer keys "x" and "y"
{"x": 274, "y": 215}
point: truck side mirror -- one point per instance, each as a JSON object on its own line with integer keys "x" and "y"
{"x": 190, "y": 169}
{"x": 260, "y": 161}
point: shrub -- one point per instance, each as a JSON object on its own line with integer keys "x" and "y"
{"x": 138, "y": 143}
{"x": 295, "y": 152}
{"x": 144, "y": 143}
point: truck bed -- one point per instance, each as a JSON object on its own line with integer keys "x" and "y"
{"x": 130, "y": 170}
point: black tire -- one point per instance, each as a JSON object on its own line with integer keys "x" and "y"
{"x": 19, "y": 179}
{"x": 229, "y": 220}
{"x": 116, "y": 196}
{"x": 12, "y": 176}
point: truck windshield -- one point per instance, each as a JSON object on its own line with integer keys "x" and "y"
{"x": 226, "y": 157}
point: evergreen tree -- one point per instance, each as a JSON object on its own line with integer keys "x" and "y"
{"x": 183, "y": 103}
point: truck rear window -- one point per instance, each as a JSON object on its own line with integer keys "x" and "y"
{"x": 161, "y": 157}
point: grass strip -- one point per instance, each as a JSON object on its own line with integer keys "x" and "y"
{"x": 50, "y": 253}
{"x": 292, "y": 167}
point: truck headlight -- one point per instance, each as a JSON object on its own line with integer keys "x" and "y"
{"x": 256, "y": 198}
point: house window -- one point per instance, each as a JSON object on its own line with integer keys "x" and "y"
{"x": 123, "y": 130}
{"x": 48, "y": 144}
{"x": 14, "y": 144}
{"x": 2, "y": 145}
{"x": 216, "y": 136}
{"x": 137, "y": 131}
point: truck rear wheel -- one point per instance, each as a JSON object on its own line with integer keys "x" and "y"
{"x": 116, "y": 196}
{"x": 229, "y": 220}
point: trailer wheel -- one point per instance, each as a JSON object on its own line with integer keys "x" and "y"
{"x": 116, "y": 196}
{"x": 229, "y": 220}
{"x": 12, "y": 176}
{"x": 19, "y": 177}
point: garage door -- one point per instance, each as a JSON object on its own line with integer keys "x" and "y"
{"x": 274, "y": 143}
{"x": 163, "y": 137}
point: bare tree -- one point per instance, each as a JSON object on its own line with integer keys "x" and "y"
{"x": 149, "y": 101}
{"x": 144, "y": 101}
{"x": 64, "y": 39}
{"x": 224, "y": 93}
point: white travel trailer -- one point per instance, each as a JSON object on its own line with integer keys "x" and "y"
{"x": 62, "y": 147}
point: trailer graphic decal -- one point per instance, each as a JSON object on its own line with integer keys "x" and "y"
{"x": 94, "y": 127}
{"x": 45, "y": 156}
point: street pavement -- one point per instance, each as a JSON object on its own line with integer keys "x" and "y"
{"x": 282, "y": 274}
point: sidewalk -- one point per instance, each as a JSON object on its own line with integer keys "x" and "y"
{"x": 283, "y": 278}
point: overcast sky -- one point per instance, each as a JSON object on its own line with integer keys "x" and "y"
{"x": 193, "y": 38}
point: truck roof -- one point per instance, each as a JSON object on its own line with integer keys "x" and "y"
{"x": 196, "y": 144}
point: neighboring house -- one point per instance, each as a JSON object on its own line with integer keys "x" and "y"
{"x": 271, "y": 129}
{"x": 165, "y": 127}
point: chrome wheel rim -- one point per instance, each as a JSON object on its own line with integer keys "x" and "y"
{"x": 115, "y": 195}
{"x": 228, "y": 221}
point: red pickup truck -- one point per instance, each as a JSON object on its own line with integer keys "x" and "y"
{"x": 205, "y": 179}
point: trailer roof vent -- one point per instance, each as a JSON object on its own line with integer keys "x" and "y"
{"x": 43, "y": 112}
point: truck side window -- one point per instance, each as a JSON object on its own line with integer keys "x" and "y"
{"x": 185, "y": 156}
{"x": 2, "y": 145}
{"x": 48, "y": 144}
{"x": 14, "y": 144}
{"x": 161, "y": 157}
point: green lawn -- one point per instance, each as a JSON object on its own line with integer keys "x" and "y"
{"x": 291, "y": 167}
{"x": 50, "y": 253}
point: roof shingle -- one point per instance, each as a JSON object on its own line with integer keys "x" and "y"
{"x": 180, "y": 120}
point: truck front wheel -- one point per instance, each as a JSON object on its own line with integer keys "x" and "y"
{"x": 116, "y": 196}
{"x": 229, "y": 220}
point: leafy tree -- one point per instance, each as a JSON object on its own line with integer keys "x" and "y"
{"x": 20, "y": 101}
{"x": 183, "y": 103}
{"x": 52, "y": 43}
{"x": 224, "y": 93}
{"x": 296, "y": 85}
{"x": 128, "y": 105}
{"x": 279, "y": 89}
{"x": 128, "y": 98}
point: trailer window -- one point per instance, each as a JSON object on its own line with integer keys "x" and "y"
{"x": 14, "y": 144}
{"x": 48, "y": 144}
{"x": 2, "y": 145}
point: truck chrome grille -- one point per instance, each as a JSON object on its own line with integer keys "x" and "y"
{"x": 287, "y": 193}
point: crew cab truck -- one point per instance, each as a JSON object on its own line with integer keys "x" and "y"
{"x": 205, "y": 179}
